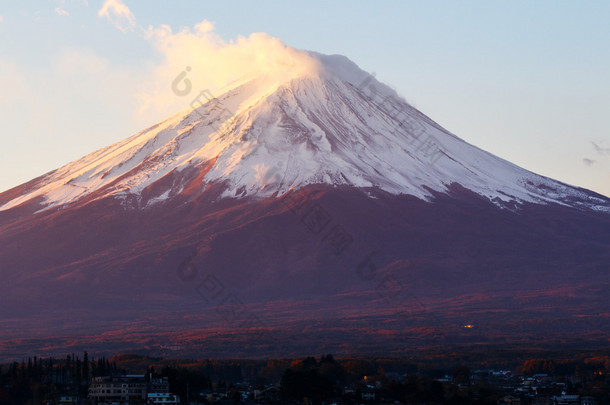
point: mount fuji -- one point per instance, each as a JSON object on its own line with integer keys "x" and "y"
{"x": 309, "y": 209}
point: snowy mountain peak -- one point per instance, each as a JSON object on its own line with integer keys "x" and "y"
{"x": 321, "y": 120}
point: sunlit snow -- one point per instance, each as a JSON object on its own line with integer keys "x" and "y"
{"x": 334, "y": 125}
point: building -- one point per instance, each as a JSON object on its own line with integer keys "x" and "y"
{"x": 68, "y": 400}
{"x": 131, "y": 389}
{"x": 123, "y": 389}
{"x": 567, "y": 400}
{"x": 163, "y": 398}
{"x": 368, "y": 395}
{"x": 510, "y": 400}
{"x": 158, "y": 385}
{"x": 268, "y": 394}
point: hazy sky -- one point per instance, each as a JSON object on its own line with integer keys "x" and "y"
{"x": 528, "y": 81}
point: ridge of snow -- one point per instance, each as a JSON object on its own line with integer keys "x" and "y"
{"x": 334, "y": 124}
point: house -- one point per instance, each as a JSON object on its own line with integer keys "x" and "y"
{"x": 270, "y": 394}
{"x": 567, "y": 400}
{"x": 587, "y": 401}
{"x": 159, "y": 398}
{"x": 544, "y": 400}
{"x": 368, "y": 395}
{"x": 160, "y": 385}
{"x": 68, "y": 400}
{"x": 510, "y": 400}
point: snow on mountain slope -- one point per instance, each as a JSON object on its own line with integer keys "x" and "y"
{"x": 330, "y": 123}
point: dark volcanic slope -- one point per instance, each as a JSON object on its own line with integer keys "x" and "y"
{"x": 325, "y": 264}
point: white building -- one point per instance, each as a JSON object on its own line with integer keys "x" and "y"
{"x": 126, "y": 388}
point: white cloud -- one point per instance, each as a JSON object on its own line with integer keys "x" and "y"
{"x": 1, "y": 18}
{"x": 118, "y": 14}
{"x": 213, "y": 62}
{"x": 86, "y": 100}
{"x": 59, "y": 11}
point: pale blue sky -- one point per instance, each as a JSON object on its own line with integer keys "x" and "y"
{"x": 528, "y": 81}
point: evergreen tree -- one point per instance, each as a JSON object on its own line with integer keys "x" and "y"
{"x": 51, "y": 372}
{"x": 77, "y": 373}
{"x": 86, "y": 366}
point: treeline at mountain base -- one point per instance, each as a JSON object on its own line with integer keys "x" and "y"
{"x": 307, "y": 380}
